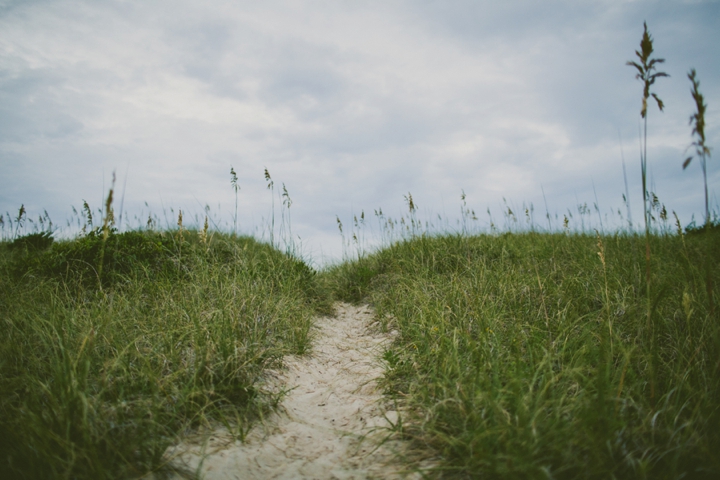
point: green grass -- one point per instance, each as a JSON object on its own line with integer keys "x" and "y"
{"x": 110, "y": 348}
{"x": 523, "y": 355}
{"x": 519, "y": 355}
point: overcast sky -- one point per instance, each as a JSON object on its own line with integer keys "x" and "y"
{"x": 351, "y": 105}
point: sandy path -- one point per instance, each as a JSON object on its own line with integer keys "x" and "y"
{"x": 334, "y": 403}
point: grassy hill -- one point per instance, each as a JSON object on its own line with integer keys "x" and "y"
{"x": 519, "y": 355}
{"x": 110, "y": 346}
{"x": 533, "y": 356}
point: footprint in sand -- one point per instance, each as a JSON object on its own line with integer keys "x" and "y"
{"x": 318, "y": 433}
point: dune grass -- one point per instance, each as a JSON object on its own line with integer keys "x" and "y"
{"x": 530, "y": 355}
{"x": 113, "y": 344}
{"x": 520, "y": 355}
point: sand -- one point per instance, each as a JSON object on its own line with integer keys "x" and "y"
{"x": 328, "y": 426}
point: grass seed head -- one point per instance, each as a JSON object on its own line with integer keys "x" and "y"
{"x": 412, "y": 206}
{"x": 677, "y": 224}
{"x": 204, "y": 231}
{"x": 697, "y": 119}
{"x": 646, "y": 70}
{"x": 287, "y": 201}
{"x": 21, "y": 214}
{"x": 601, "y": 248}
{"x": 88, "y": 214}
{"x": 234, "y": 179}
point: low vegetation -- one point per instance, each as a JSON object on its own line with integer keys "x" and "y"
{"x": 531, "y": 356}
{"x": 113, "y": 344}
